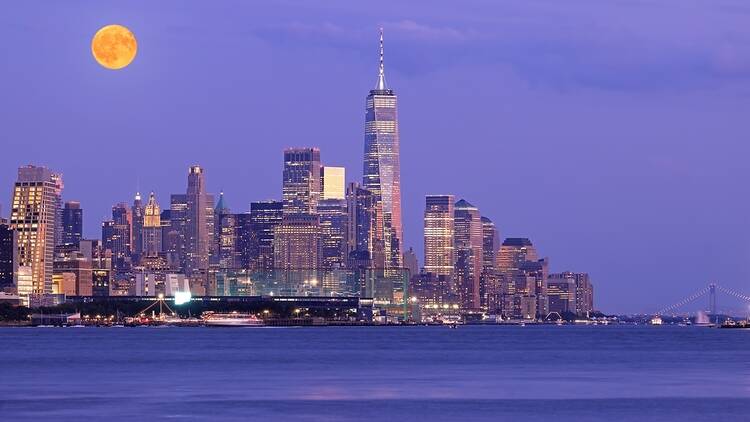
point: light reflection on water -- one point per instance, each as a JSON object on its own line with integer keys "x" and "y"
{"x": 621, "y": 373}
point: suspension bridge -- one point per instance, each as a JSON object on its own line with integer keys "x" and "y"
{"x": 709, "y": 291}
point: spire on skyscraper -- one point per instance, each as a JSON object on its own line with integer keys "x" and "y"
{"x": 381, "y": 75}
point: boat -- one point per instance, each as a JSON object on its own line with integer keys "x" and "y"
{"x": 656, "y": 320}
{"x": 233, "y": 319}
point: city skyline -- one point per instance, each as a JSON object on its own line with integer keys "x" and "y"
{"x": 576, "y": 232}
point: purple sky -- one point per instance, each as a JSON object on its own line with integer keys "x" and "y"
{"x": 613, "y": 134}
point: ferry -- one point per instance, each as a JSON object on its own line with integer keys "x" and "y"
{"x": 233, "y": 319}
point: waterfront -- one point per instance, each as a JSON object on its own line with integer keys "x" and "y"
{"x": 621, "y": 373}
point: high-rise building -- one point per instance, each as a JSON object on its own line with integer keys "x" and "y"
{"x": 301, "y": 186}
{"x": 173, "y": 241}
{"x": 8, "y": 251}
{"x": 34, "y": 215}
{"x": 265, "y": 217}
{"x": 226, "y": 252}
{"x": 245, "y": 241}
{"x": 439, "y": 252}
{"x": 570, "y": 292}
{"x": 72, "y": 273}
{"x": 137, "y": 212}
{"x": 469, "y": 256}
{"x": 561, "y": 291}
{"x": 333, "y": 232}
{"x": 333, "y": 180}
{"x": 524, "y": 279}
{"x": 382, "y": 171}
{"x": 72, "y": 221}
{"x": 151, "y": 228}
{"x": 362, "y": 226}
{"x": 489, "y": 285}
{"x": 117, "y": 236}
{"x": 296, "y": 242}
{"x": 199, "y": 222}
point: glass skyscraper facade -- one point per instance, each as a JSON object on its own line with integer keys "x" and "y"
{"x": 382, "y": 171}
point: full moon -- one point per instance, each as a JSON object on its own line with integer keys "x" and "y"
{"x": 114, "y": 46}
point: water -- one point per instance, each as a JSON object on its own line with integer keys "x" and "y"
{"x": 614, "y": 373}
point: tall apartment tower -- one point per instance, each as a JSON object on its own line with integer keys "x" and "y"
{"x": 382, "y": 170}
{"x": 199, "y": 222}
{"x": 34, "y": 215}
{"x": 439, "y": 249}
{"x": 72, "y": 221}
{"x": 468, "y": 252}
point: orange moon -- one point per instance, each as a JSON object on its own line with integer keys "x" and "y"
{"x": 114, "y": 46}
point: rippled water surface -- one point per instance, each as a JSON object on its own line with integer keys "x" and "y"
{"x": 613, "y": 373}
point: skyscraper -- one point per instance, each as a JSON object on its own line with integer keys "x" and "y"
{"x": 524, "y": 279}
{"x": 382, "y": 172}
{"x": 72, "y": 221}
{"x": 439, "y": 252}
{"x": 333, "y": 232}
{"x": 297, "y": 239}
{"x": 362, "y": 226}
{"x": 34, "y": 214}
{"x": 137, "y": 212}
{"x": 173, "y": 241}
{"x": 301, "y": 186}
{"x": 489, "y": 285}
{"x": 199, "y": 222}
{"x": 571, "y": 292}
{"x": 8, "y": 251}
{"x": 265, "y": 217}
{"x": 151, "y": 229}
{"x": 296, "y": 243}
{"x": 468, "y": 252}
{"x": 227, "y": 254}
{"x": 120, "y": 236}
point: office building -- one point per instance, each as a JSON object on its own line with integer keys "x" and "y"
{"x": 297, "y": 242}
{"x": 362, "y": 226}
{"x": 199, "y": 222}
{"x": 439, "y": 251}
{"x": 301, "y": 186}
{"x": 265, "y": 217}
{"x": 489, "y": 283}
{"x": 137, "y": 211}
{"x": 8, "y": 259}
{"x": 467, "y": 234}
{"x": 151, "y": 228}
{"x": 382, "y": 170}
{"x": 72, "y": 221}
{"x": 333, "y": 231}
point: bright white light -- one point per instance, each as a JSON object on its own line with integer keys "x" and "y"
{"x": 182, "y": 297}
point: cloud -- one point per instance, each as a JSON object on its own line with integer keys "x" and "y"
{"x": 642, "y": 47}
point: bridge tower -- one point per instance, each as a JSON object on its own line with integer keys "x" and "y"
{"x": 712, "y": 299}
